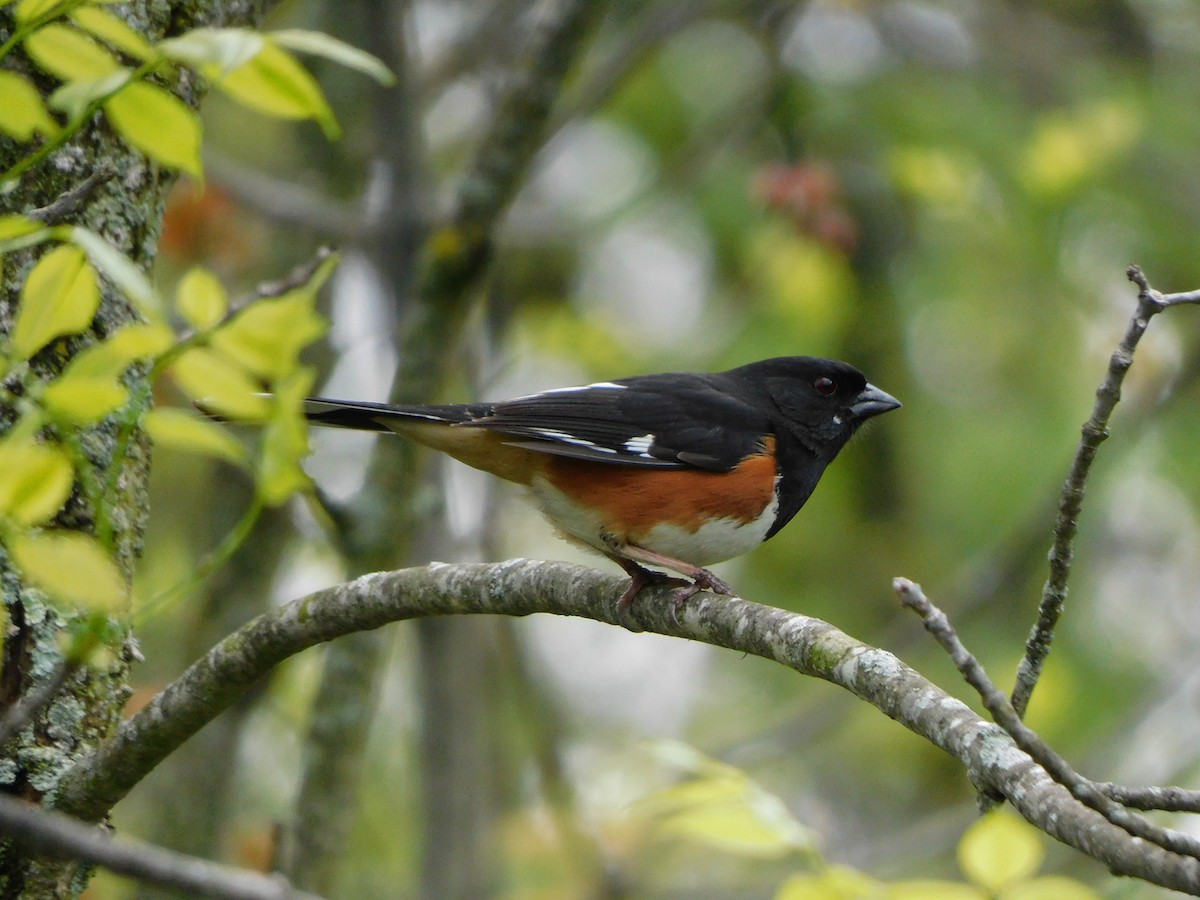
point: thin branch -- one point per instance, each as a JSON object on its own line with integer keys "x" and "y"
{"x": 1167, "y": 799}
{"x": 55, "y": 834}
{"x": 298, "y": 277}
{"x": 1006, "y": 716}
{"x": 522, "y": 587}
{"x": 1150, "y": 302}
{"x": 71, "y": 202}
{"x": 20, "y": 713}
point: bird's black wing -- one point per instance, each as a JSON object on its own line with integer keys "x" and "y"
{"x": 665, "y": 421}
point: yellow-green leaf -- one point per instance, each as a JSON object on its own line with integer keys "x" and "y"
{"x": 998, "y": 850}
{"x": 71, "y": 567}
{"x": 111, "y": 357}
{"x": 31, "y": 9}
{"x": 721, "y": 807}
{"x": 23, "y": 112}
{"x": 37, "y": 481}
{"x": 273, "y": 82}
{"x": 69, "y": 54}
{"x": 17, "y": 226}
{"x": 159, "y": 124}
{"x": 184, "y": 431}
{"x": 220, "y": 50}
{"x": 83, "y": 400}
{"x": 734, "y": 828}
{"x": 1050, "y": 887}
{"x": 285, "y": 441}
{"x": 267, "y": 337}
{"x": 320, "y": 44}
{"x": 201, "y": 299}
{"x": 60, "y": 297}
{"x": 112, "y": 30}
{"x": 218, "y": 383}
{"x": 119, "y": 269}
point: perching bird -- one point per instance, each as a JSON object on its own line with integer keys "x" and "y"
{"x": 677, "y": 471}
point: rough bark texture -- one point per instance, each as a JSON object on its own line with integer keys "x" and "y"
{"x": 127, "y": 211}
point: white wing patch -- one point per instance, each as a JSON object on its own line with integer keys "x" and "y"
{"x": 567, "y": 438}
{"x": 597, "y": 385}
{"x": 640, "y": 446}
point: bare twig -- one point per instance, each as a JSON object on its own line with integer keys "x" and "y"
{"x": 72, "y": 201}
{"x": 20, "y": 713}
{"x": 1095, "y": 430}
{"x": 1006, "y": 716}
{"x": 1167, "y": 799}
{"x": 53, "y": 833}
{"x": 296, "y": 278}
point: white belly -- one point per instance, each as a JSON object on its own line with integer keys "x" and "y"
{"x": 714, "y": 541}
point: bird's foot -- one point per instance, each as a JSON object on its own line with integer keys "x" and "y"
{"x": 639, "y": 578}
{"x": 703, "y": 581}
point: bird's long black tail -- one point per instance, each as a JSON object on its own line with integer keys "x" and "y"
{"x": 362, "y": 416}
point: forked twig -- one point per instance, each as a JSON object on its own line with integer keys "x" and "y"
{"x": 1005, "y": 715}
{"x": 1095, "y": 430}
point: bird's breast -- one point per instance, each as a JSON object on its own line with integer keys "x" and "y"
{"x": 692, "y": 515}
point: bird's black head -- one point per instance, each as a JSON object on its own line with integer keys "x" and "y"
{"x": 819, "y": 402}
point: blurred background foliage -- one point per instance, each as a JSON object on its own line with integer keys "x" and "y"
{"x": 944, "y": 193}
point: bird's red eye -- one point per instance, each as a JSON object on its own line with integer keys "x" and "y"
{"x": 825, "y": 385}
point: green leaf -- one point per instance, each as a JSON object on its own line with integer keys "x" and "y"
{"x": 285, "y": 442}
{"x": 109, "y": 359}
{"x": 17, "y": 226}
{"x": 71, "y": 567}
{"x": 201, "y": 299}
{"x": 75, "y": 98}
{"x": 59, "y": 297}
{"x": 117, "y": 268}
{"x": 68, "y": 54}
{"x": 184, "y": 431}
{"x": 113, "y": 31}
{"x": 267, "y": 336}
{"x": 22, "y": 112}
{"x": 998, "y": 850}
{"x": 159, "y": 124}
{"x": 80, "y": 400}
{"x": 320, "y": 44}
{"x": 218, "y": 383}
{"x": 273, "y": 82}
{"x": 37, "y": 480}
{"x": 222, "y": 49}
{"x": 31, "y": 9}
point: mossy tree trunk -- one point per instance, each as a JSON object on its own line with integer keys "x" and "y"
{"x": 127, "y": 210}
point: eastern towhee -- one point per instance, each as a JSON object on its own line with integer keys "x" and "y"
{"x": 677, "y": 471}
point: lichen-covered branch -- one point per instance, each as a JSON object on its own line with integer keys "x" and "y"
{"x": 523, "y": 587}
{"x": 1004, "y": 715}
